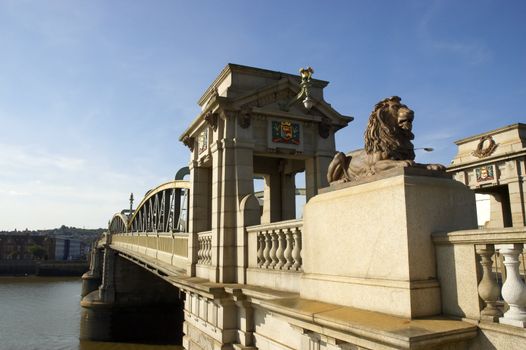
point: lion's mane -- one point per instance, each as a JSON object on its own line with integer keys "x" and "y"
{"x": 385, "y": 136}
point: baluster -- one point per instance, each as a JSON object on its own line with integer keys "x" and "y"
{"x": 266, "y": 252}
{"x": 261, "y": 244}
{"x": 209, "y": 250}
{"x": 281, "y": 249}
{"x": 288, "y": 250}
{"x": 205, "y": 250}
{"x": 514, "y": 289}
{"x": 488, "y": 288}
{"x": 200, "y": 250}
{"x": 273, "y": 249}
{"x": 296, "y": 250}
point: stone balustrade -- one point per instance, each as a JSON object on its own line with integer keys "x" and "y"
{"x": 498, "y": 263}
{"x": 204, "y": 252}
{"x": 168, "y": 247}
{"x": 278, "y": 245}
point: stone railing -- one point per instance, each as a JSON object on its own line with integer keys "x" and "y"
{"x": 278, "y": 245}
{"x": 204, "y": 252}
{"x": 486, "y": 263}
{"x": 171, "y": 248}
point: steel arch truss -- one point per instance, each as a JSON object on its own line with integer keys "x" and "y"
{"x": 163, "y": 209}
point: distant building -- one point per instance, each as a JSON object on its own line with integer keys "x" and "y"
{"x": 26, "y": 247}
{"x": 68, "y": 249}
{"x": 493, "y": 165}
{"x": 40, "y": 247}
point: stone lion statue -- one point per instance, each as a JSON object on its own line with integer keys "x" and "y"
{"x": 387, "y": 145}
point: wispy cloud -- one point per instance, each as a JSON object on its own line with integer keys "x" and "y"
{"x": 14, "y": 193}
{"x": 472, "y": 50}
{"x": 15, "y": 158}
{"x": 49, "y": 190}
{"x": 79, "y": 18}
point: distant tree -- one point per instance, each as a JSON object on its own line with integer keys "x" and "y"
{"x": 37, "y": 251}
{"x": 14, "y": 255}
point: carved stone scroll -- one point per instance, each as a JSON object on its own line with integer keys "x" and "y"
{"x": 189, "y": 142}
{"x": 244, "y": 118}
{"x": 324, "y": 128}
{"x": 211, "y": 119}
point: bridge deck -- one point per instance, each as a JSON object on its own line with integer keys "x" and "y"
{"x": 356, "y": 326}
{"x": 157, "y": 266}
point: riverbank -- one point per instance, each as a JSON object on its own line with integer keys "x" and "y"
{"x": 42, "y": 268}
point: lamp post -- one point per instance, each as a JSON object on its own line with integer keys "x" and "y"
{"x": 304, "y": 93}
{"x": 131, "y": 203}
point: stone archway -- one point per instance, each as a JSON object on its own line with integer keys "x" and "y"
{"x": 494, "y": 163}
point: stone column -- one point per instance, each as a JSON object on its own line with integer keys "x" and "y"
{"x": 496, "y": 216}
{"x": 272, "y": 198}
{"x": 265, "y": 215}
{"x": 217, "y": 201}
{"x": 288, "y": 196}
{"x": 235, "y": 181}
{"x": 199, "y": 211}
{"x": 248, "y": 210}
{"x": 227, "y": 214}
{"x": 517, "y": 198}
{"x": 316, "y": 174}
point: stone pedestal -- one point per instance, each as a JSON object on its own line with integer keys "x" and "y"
{"x": 368, "y": 244}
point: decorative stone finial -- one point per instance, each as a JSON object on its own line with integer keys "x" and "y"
{"x": 306, "y": 74}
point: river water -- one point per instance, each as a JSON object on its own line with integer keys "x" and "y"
{"x": 43, "y": 313}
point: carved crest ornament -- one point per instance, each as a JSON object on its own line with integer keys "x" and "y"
{"x": 286, "y": 132}
{"x": 481, "y": 151}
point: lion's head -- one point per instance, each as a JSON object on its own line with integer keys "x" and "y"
{"x": 388, "y": 131}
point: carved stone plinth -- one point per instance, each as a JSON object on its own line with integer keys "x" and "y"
{"x": 368, "y": 245}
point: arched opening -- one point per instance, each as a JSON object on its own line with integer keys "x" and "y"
{"x": 497, "y": 200}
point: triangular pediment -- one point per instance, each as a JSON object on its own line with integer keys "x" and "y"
{"x": 280, "y": 98}
{"x": 268, "y": 94}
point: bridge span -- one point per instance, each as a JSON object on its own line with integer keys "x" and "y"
{"x": 394, "y": 262}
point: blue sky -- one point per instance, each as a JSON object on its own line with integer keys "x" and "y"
{"x": 95, "y": 94}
